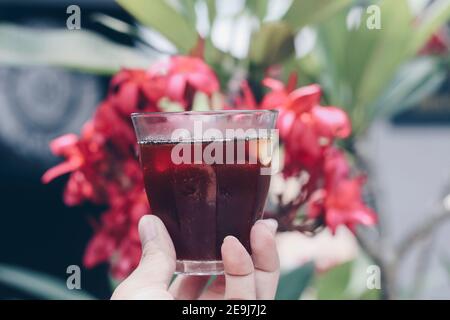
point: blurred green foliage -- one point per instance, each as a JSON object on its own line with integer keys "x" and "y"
{"x": 164, "y": 18}
{"x": 80, "y": 50}
{"x": 369, "y": 72}
{"x": 293, "y": 283}
{"x": 360, "y": 66}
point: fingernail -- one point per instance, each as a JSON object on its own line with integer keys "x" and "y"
{"x": 272, "y": 224}
{"x": 147, "y": 229}
{"x": 229, "y": 238}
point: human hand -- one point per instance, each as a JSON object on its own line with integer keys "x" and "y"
{"x": 246, "y": 277}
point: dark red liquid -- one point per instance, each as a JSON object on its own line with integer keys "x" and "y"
{"x": 201, "y": 204}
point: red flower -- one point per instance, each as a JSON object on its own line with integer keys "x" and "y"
{"x": 132, "y": 91}
{"x": 329, "y": 122}
{"x": 78, "y": 189}
{"x": 340, "y": 201}
{"x": 308, "y": 131}
{"x": 66, "y": 146}
{"x": 305, "y": 127}
{"x": 335, "y": 167}
{"x": 183, "y": 76}
{"x": 109, "y": 125}
{"x": 100, "y": 249}
{"x": 279, "y": 94}
{"x": 342, "y": 205}
{"x": 105, "y": 170}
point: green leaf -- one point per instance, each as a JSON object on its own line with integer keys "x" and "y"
{"x": 201, "y": 102}
{"x": 414, "y": 81}
{"x": 115, "y": 24}
{"x": 166, "y": 105}
{"x": 162, "y": 17}
{"x": 307, "y": 12}
{"x": 292, "y": 284}
{"x": 258, "y": 8}
{"x": 272, "y": 43}
{"x": 212, "y": 11}
{"x": 113, "y": 282}
{"x": 188, "y": 9}
{"x": 360, "y": 63}
{"x": 38, "y": 284}
{"x": 76, "y": 49}
{"x": 370, "y": 295}
{"x": 387, "y": 52}
{"x": 357, "y": 288}
{"x": 333, "y": 284}
{"x": 437, "y": 14}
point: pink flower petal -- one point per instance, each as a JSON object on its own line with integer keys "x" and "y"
{"x": 176, "y": 87}
{"x": 332, "y": 121}
{"x": 304, "y": 98}
{"x": 60, "y": 145}
{"x": 273, "y": 84}
{"x": 62, "y": 168}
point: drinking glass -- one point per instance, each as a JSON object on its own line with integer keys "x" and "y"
{"x": 206, "y": 176}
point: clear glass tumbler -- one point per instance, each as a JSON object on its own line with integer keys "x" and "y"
{"x": 206, "y": 175}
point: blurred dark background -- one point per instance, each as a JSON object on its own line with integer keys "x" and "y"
{"x": 36, "y": 105}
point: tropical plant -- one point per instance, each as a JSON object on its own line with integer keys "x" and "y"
{"x": 367, "y": 72}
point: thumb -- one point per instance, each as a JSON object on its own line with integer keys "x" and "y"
{"x": 151, "y": 278}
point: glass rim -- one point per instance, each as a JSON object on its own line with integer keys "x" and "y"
{"x": 206, "y": 113}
